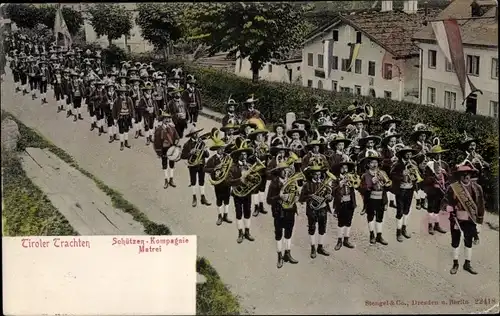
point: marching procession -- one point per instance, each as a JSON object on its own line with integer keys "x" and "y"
{"x": 321, "y": 162}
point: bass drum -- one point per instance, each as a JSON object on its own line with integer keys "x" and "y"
{"x": 174, "y": 154}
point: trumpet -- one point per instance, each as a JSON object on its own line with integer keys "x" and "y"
{"x": 475, "y": 159}
{"x": 199, "y": 149}
{"x": 413, "y": 172}
{"x": 318, "y": 199}
{"x": 383, "y": 178}
{"x": 251, "y": 179}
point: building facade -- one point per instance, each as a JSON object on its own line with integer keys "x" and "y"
{"x": 440, "y": 84}
{"x": 386, "y": 63}
{"x": 288, "y": 70}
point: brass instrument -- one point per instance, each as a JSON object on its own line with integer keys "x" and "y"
{"x": 319, "y": 137}
{"x": 413, "y": 172}
{"x": 319, "y": 197}
{"x": 383, "y": 178}
{"x": 438, "y": 172}
{"x": 394, "y": 149}
{"x": 350, "y": 180}
{"x": 196, "y": 157}
{"x": 262, "y": 149}
{"x": 222, "y": 170}
{"x": 251, "y": 179}
{"x": 296, "y": 146}
{"x": 291, "y": 189}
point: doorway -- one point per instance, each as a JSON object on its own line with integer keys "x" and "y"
{"x": 471, "y": 104}
{"x": 290, "y": 75}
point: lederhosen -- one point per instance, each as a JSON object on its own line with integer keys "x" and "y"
{"x": 402, "y": 188}
{"x": 107, "y": 107}
{"x": 66, "y": 85}
{"x": 23, "y": 77}
{"x": 123, "y": 112}
{"x": 149, "y": 110}
{"x": 15, "y": 70}
{"x": 284, "y": 219}
{"x": 460, "y": 219}
{"x": 223, "y": 189}
{"x": 179, "y": 115}
{"x": 435, "y": 191}
{"x": 44, "y": 76}
{"x": 137, "y": 97}
{"x": 314, "y": 216}
{"x": 419, "y": 160}
{"x": 89, "y": 92}
{"x": 242, "y": 205}
{"x": 374, "y": 197}
{"x": 196, "y": 173}
{"x": 193, "y": 100}
{"x": 263, "y": 182}
{"x": 345, "y": 203}
{"x": 76, "y": 94}
{"x": 99, "y": 100}
{"x": 32, "y": 79}
{"x": 165, "y": 137}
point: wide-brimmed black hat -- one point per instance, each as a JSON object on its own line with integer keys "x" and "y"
{"x": 193, "y": 132}
{"x": 280, "y": 167}
{"x": 278, "y": 124}
{"x": 339, "y": 139}
{"x": 292, "y": 131}
{"x": 420, "y": 129}
{"x": 325, "y": 126}
{"x": 350, "y": 164}
{"x": 365, "y": 160}
{"x": 274, "y": 150}
{"x": 254, "y": 133}
{"x": 362, "y": 141}
{"x": 386, "y": 120}
{"x": 306, "y": 123}
{"x": 315, "y": 142}
{"x": 387, "y": 137}
{"x": 230, "y": 126}
{"x": 400, "y": 153}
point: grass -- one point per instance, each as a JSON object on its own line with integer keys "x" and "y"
{"x": 29, "y": 212}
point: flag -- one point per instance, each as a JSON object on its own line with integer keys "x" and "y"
{"x": 354, "y": 55}
{"x": 327, "y": 57}
{"x": 61, "y": 27}
{"x": 449, "y": 39}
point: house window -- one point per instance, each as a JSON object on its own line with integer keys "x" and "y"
{"x": 494, "y": 109}
{"x": 432, "y": 59}
{"x": 320, "y": 84}
{"x": 431, "y": 96}
{"x": 320, "y": 61}
{"x": 450, "y": 100}
{"x": 335, "y": 35}
{"x": 357, "y": 66}
{"x": 371, "y": 92}
{"x": 310, "y": 59}
{"x": 345, "y": 65}
{"x": 345, "y": 89}
{"x": 269, "y": 68}
{"x": 298, "y": 68}
{"x": 371, "y": 68}
{"x": 309, "y": 83}
{"x": 473, "y": 65}
{"x": 388, "y": 71}
{"x": 358, "y": 37}
{"x": 335, "y": 85}
{"x": 449, "y": 66}
{"x": 494, "y": 68}
{"x": 388, "y": 94}
{"x": 335, "y": 62}
{"x": 357, "y": 90}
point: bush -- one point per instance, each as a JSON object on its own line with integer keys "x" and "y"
{"x": 113, "y": 53}
{"x": 276, "y": 99}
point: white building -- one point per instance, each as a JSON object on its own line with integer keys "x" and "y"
{"x": 287, "y": 70}
{"x": 387, "y": 61}
{"x": 440, "y": 85}
{"x": 134, "y": 43}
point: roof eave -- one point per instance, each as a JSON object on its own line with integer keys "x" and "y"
{"x": 320, "y": 31}
{"x": 433, "y": 41}
{"x": 291, "y": 61}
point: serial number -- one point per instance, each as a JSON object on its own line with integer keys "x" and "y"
{"x": 485, "y": 301}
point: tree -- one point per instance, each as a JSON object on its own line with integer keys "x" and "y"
{"x": 110, "y": 20}
{"x": 24, "y": 15}
{"x": 260, "y": 31}
{"x": 160, "y": 23}
{"x": 73, "y": 18}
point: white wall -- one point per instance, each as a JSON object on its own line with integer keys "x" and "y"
{"x": 270, "y": 72}
{"x": 369, "y": 51}
{"x": 442, "y": 80}
{"x": 136, "y": 42}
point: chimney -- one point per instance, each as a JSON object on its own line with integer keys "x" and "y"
{"x": 410, "y": 6}
{"x": 386, "y": 6}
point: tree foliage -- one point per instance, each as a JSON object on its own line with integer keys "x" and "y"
{"x": 160, "y": 23}
{"x": 260, "y": 31}
{"x": 24, "y": 15}
{"x": 110, "y": 20}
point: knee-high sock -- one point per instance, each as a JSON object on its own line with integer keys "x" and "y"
{"x": 378, "y": 227}
{"x": 400, "y": 223}
{"x": 255, "y": 199}
{"x": 322, "y": 239}
{"x": 121, "y": 138}
{"x": 115, "y": 129}
{"x": 312, "y": 238}
{"x": 405, "y": 219}
{"x": 79, "y": 111}
{"x": 456, "y": 253}
{"x": 247, "y": 222}
{"x": 340, "y": 232}
{"x": 125, "y": 136}
{"x": 110, "y": 131}
{"x": 371, "y": 225}
{"x": 468, "y": 253}
{"x": 226, "y": 209}
{"x": 219, "y": 209}
{"x": 202, "y": 190}
{"x": 195, "y": 189}
{"x": 262, "y": 197}
{"x": 171, "y": 173}
{"x": 239, "y": 223}
{"x": 288, "y": 244}
{"x": 391, "y": 196}
{"x": 347, "y": 231}
{"x": 279, "y": 245}
{"x": 92, "y": 119}
{"x": 165, "y": 172}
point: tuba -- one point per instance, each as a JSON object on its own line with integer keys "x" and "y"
{"x": 252, "y": 179}
{"x": 222, "y": 170}
{"x": 318, "y": 199}
{"x": 291, "y": 188}
{"x": 197, "y": 156}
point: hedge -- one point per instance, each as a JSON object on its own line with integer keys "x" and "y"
{"x": 29, "y": 212}
{"x": 277, "y": 99}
